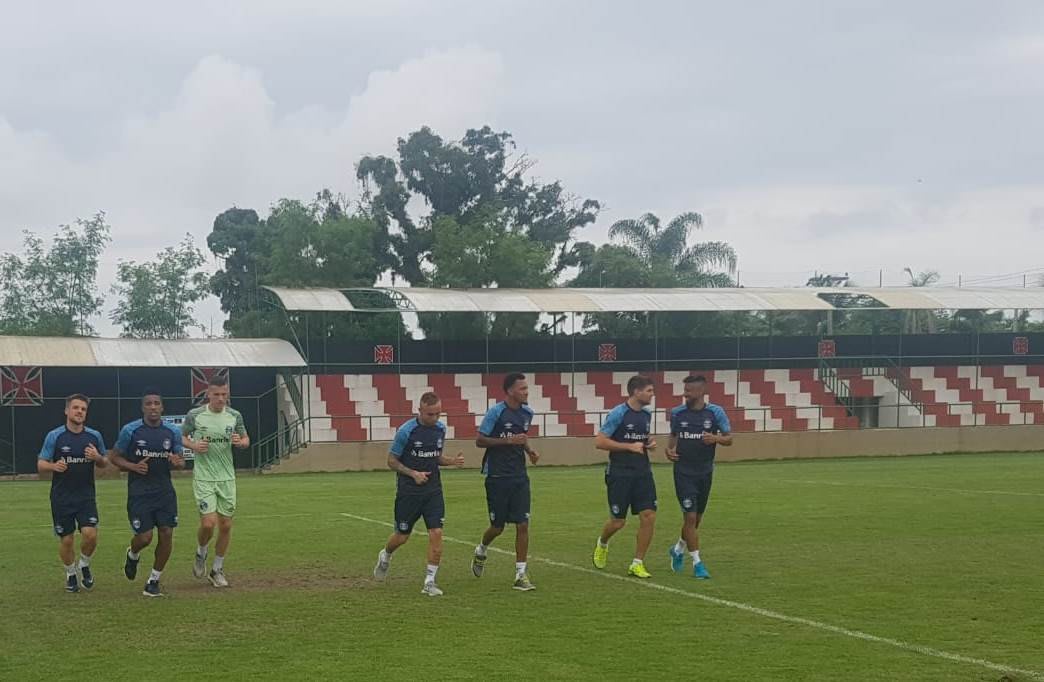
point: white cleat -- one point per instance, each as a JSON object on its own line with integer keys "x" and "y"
{"x": 431, "y": 589}
{"x": 380, "y": 571}
{"x": 199, "y": 569}
{"x": 217, "y": 579}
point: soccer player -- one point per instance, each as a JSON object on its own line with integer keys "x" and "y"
{"x": 415, "y": 456}
{"x": 211, "y": 431}
{"x": 697, "y": 427}
{"x": 147, "y": 449}
{"x": 70, "y": 454}
{"x": 503, "y": 434}
{"x": 625, "y": 434}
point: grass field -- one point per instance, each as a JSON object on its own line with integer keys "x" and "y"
{"x": 927, "y": 568}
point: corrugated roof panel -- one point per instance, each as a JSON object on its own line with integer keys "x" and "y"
{"x": 312, "y": 299}
{"x": 93, "y": 352}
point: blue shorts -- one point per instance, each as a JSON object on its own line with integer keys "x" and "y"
{"x": 146, "y": 512}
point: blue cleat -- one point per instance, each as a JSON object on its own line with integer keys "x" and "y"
{"x": 72, "y": 584}
{"x": 699, "y": 571}
{"x": 677, "y": 559}
{"x": 88, "y": 577}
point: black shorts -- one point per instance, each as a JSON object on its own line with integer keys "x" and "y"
{"x": 146, "y": 512}
{"x": 635, "y": 492}
{"x": 507, "y": 500}
{"x": 67, "y": 516}
{"x": 693, "y": 491}
{"x": 409, "y": 508}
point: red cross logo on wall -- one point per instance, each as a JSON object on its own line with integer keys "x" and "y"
{"x": 21, "y": 386}
{"x": 384, "y": 354}
{"x": 607, "y": 352}
{"x": 1020, "y": 345}
{"x": 827, "y": 348}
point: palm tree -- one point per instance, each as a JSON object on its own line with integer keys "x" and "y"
{"x": 916, "y": 320}
{"x": 666, "y": 253}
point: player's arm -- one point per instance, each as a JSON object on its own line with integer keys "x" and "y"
{"x": 398, "y": 446}
{"x": 724, "y": 435}
{"x": 116, "y": 455}
{"x": 488, "y": 427}
{"x": 457, "y": 461}
{"x": 176, "y": 460}
{"x": 672, "y": 448}
{"x": 604, "y": 442}
{"x": 96, "y": 453}
{"x": 240, "y": 437}
{"x": 45, "y": 463}
{"x": 188, "y": 432}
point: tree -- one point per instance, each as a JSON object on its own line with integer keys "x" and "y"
{"x": 320, "y": 244}
{"x": 921, "y": 321}
{"x": 51, "y": 290}
{"x": 651, "y": 255}
{"x": 484, "y": 223}
{"x": 156, "y": 297}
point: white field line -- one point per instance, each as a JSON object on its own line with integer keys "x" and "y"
{"x": 963, "y": 491}
{"x": 765, "y": 613}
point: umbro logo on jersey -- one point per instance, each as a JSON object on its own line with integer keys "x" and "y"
{"x": 684, "y": 424}
{"x": 142, "y": 443}
{"x": 66, "y": 448}
{"x": 630, "y": 427}
{"x": 418, "y": 444}
{"x": 508, "y": 425}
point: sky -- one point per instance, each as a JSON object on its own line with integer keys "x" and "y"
{"x": 860, "y": 137}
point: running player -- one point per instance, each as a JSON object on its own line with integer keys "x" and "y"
{"x": 415, "y": 457}
{"x": 625, "y": 434}
{"x": 697, "y": 427}
{"x": 147, "y": 449}
{"x": 504, "y": 435}
{"x": 70, "y": 454}
{"x": 211, "y": 431}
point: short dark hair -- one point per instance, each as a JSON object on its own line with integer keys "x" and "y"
{"x": 695, "y": 379}
{"x": 637, "y": 383}
{"x": 151, "y": 390}
{"x": 512, "y": 379}
{"x": 429, "y": 398}
{"x": 78, "y": 396}
{"x": 218, "y": 380}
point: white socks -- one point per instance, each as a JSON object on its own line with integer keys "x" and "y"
{"x": 70, "y": 569}
{"x": 85, "y": 560}
{"x": 219, "y": 563}
{"x": 134, "y": 556}
{"x": 384, "y": 557}
{"x": 520, "y": 569}
{"x": 201, "y": 551}
{"x": 695, "y": 554}
{"x": 480, "y": 549}
{"x": 155, "y": 576}
{"x": 602, "y": 544}
{"x": 637, "y": 562}
{"x": 429, "y": 576}
{"x": 680, "y": 546}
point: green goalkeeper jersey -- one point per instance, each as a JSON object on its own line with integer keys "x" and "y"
{"x": 216, "y": 428}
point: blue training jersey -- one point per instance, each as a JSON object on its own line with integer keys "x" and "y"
{"x": 138, "y": 442}
{"x": 688, "y": 426}
{"x": 419, "y": 447}
{"x": 625, "y": 425}
{"x": 501, "y": 421}
{"x": 76, "y": 482}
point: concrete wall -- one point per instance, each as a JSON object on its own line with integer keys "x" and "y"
{"x": 802, "y": 444}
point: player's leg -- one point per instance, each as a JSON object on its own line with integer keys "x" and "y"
{"x": 692, "y": 539}
{"x": 685, "y": 490}
{"x": 87, "y": 522}
{"x": 497, "y": 518}
{"x": 518, "y": 513}
{"x": 407, "y": 511}
{"x": 224, "y": 538}
{"x": 140, "y": 515}
{"x": 165, "y": 516}
{"x": 434, "y": 511}
{"x": 65, "y": 529}
{"x": 205, "y": 493}
{"x": 617, "y": 492}
{"x": 643, "y": 502}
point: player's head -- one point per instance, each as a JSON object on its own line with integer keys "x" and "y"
{"x": 76, "y": 408}
{"x": 217, "y": 392}
{"x": 429, "y": 410}
{"x": 641, "y": 389}
{"x": 152, "y": 404}
{"x": 695, "y": 389}
{"x": 516, "y": 387}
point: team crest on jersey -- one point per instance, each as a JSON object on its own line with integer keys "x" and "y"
{"x": 438, "y": 443}
{"x": 707, "y": 423}
{"x": 228, "y": 430}
{"x": 166, "y": 444}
